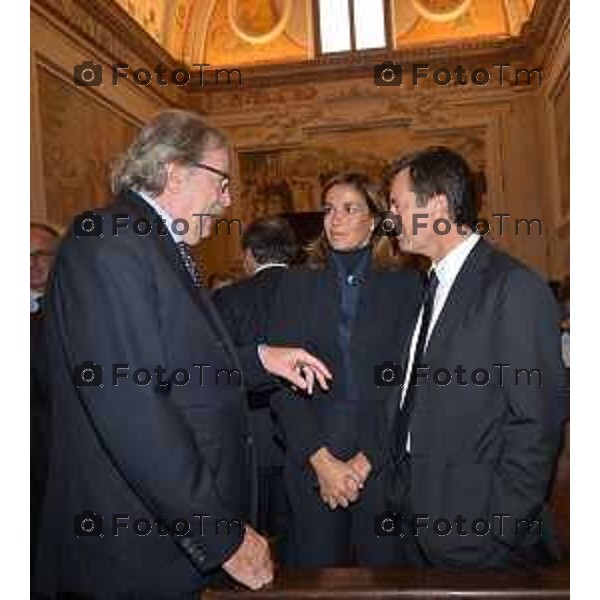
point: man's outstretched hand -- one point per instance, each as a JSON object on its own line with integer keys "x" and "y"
{"x": 251, "y": 564}
{"x": 296, "y": 365}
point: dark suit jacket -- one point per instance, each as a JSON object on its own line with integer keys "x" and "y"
{"x": 480, "y": 450}
{"x": 245, "y": 307}
{"x": 146, "y": 451}
{"x": 306, "y": 313}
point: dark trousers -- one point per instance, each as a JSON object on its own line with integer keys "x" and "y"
{"x": 323, "y": 537}
{"x": 398, "y": 501}
{"x": 273, "y": 519}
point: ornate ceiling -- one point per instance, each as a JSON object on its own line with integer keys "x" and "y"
{"x": 242, "y": 32}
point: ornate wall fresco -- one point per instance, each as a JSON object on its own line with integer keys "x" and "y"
{"x": 80, "y": 138}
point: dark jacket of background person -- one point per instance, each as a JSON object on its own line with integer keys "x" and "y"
{"x": 154, "y": 451}
{"x": 245, "y": 307}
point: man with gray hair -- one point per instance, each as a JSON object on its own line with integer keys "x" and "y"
{"x": 151, "y": 481}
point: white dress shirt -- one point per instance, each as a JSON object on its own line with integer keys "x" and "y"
{"x": 446, "y": 270}
{"x": 162, "y": 213}
{"x": 268, "y": 266}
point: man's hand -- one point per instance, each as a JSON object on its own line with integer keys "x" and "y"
{"x": 339, "y": 483}
{"x": 296, "y": 365}
{"x": 361, "y": 465}
{"x": 251, "y": 564}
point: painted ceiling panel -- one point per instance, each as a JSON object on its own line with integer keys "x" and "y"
{"x": 242, "y": 32}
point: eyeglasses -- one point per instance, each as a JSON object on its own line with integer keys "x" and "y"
{"x": 224, "y": 176}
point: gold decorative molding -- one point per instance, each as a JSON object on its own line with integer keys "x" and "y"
{"x": 108, "y": 31}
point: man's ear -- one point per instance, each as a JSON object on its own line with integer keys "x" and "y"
{"x": 249, "y": 261}
{"x": 176, "y": 175}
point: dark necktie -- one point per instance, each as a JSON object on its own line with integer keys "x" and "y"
{"x": 190, "y": 264}
{"x": 404, "y": 413}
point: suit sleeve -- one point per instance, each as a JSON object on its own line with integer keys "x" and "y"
{"x": 527, "y": 337}
{"x": 293, "y": 410}
{"x": 106, "y": 302}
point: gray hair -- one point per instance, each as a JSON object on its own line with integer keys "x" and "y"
{"x": 173, "y": 136}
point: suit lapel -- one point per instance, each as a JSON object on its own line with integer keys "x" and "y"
{"x": 168, "y": 248}
{"x": 464, "y": 289}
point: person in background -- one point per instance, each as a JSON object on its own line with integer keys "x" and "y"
{"x": 269, "y": 246}
{"x": 343, "y": 306}
{"x": 43, "y": 239}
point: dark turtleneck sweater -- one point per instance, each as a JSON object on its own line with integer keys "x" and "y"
{"x": 351, "y": 268}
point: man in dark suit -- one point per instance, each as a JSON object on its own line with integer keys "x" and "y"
{"x": 479, "y": 421}
{"x": 150, "y": 481}
{"x": 269, "y": 246}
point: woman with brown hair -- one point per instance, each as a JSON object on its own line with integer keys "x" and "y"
{"x": 354, "y": 307}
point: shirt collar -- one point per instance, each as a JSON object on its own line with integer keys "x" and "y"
{"x": 35, "y": 300}
{"x": 268, "y": 266}
{"x": 448, "y": 268}
{"x": 162, "y": 213}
